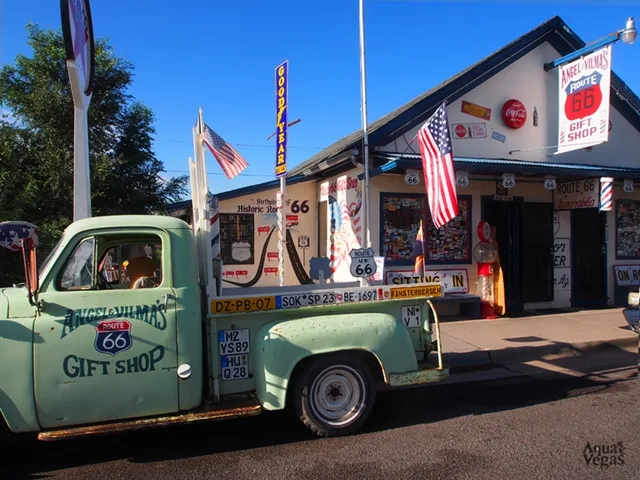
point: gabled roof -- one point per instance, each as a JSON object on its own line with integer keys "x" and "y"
{"x": 386, "y": 129}
{"x": 403, "y": 119}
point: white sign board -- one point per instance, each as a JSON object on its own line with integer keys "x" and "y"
{"x": 462, "y": 178}
{"x": 562, "y": 279}
{"x": 627, "y": 275}
{"x": 451, "y": 280}
{"x": 561, "y": 252}
{"x": 363, "y": 263}
{"x": 583, "y": 107}
{"x": 577, "y": 194}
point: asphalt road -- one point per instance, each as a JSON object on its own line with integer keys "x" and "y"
{"x": 517, "y": 428}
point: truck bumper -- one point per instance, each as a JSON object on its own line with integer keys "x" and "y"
{"x": 418, "y": 377}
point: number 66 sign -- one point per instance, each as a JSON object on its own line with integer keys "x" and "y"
{"x": 363, "y": 264}
{"x": 113, "y": 337}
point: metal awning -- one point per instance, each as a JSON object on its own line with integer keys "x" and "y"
{"x": 398, "y": 163}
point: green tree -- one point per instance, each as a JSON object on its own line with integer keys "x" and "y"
{"x": 36, "y": 143}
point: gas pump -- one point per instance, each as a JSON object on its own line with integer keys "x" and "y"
{"x": 484, "y": 253}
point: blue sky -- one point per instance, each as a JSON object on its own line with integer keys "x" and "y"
{"x": 221, "y": 56}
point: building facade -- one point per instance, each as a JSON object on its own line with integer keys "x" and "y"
{"x": 556, "y": 248}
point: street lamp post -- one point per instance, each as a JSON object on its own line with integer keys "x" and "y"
{"x": 627, "y": 35}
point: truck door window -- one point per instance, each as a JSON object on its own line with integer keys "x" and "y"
{"x": 131, "y": 264}
{"x": 78, "y": 271}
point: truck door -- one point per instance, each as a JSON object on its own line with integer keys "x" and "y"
{"x": 108, "y": 324}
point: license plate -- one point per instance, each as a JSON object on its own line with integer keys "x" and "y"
{"x": 233, "y": 342}
{"x": 234, "y": 367}
{"x": 358, "y": 295}
{"x": 238, "y": 305}
{"x": 305, "y": 300}
{"x": 412, "y": 292}
{"x": 412, "y": 316}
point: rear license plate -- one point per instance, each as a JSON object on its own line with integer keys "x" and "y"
{"x": 238, "y": 305}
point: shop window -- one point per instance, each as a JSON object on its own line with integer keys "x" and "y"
{"x": 400, "y": 218}
{"x": 627, "y": 229}
{"x": 237, "y": 239}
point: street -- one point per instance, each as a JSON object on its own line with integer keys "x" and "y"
{"x": 527, "y": 427}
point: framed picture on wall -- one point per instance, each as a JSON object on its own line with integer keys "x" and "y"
{"x": 627, "y": 229}
{"x": 400, "y": 215}
{"x": 237, "y": 239}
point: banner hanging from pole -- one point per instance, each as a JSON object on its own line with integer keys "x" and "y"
{"x": 282, "y": 102}
{"x": 584, "y": 87}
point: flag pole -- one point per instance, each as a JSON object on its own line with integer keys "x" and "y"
{"x": 366, "y": 222}
{"x": 282, "y": 106}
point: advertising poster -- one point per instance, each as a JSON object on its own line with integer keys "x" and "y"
{"x": 583, "y": 107}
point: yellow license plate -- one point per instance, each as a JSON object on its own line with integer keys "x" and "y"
{"x": 238, "y": 305}
{"x": 412, "y": 292}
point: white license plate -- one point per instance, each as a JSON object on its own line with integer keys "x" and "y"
{"x": 305, "y": 300}
{"x": 233, "y": 342}
{"x": 234, "y": 367}
{"x": 358, "y": 295}
{"x": 412, "y": 316}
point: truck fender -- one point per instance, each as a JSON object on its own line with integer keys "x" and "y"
{"x": 281, "y": 345}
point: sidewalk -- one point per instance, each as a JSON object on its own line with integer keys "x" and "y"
{"x": 579, "y": 342}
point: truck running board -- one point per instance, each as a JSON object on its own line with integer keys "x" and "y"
{"x": 224, "y": 411}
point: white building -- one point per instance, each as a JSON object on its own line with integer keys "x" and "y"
{"x": 557, "y": 250}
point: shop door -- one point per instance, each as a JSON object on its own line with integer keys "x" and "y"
{"x": 505, "y": 216}
{"x": 589, "y": 264}
{"x": 537, "y": 245}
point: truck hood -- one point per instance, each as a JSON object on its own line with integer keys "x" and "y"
{"x": 14, "y": 303}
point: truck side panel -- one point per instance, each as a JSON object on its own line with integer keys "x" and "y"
{"x": 17, "y": 403}
{"x": 188, "y": 309}
{"x": 280, "y": 346}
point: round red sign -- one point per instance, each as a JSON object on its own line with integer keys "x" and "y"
{"x": 514, "y": 114}
{"x": 461, "y": 131}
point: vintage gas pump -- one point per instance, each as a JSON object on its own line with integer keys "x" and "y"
{"x": 484, "y": 253}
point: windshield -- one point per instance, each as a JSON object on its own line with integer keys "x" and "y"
{"x": 52, "y": 253}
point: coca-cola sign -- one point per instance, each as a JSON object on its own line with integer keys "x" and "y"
{"x": 514, "y": 114}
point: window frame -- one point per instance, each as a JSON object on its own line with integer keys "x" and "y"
{"x": 394, "y": 263}
{"x": 104, "y": 240}
{"x": 228, "y": 245}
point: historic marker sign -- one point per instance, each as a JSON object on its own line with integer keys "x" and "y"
{"x": 584, "y": 87}
{"x": 77, "y": 29}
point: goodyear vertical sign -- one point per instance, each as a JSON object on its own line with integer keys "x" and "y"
{"x": 282, "y": 101}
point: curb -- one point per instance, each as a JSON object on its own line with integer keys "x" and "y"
{"x": 485, "y": 359}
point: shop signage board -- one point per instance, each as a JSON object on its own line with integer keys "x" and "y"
{"x": 627, "y": 275}
{"x": 583, "y": 107}
{"x": 451, "y": 280}
{"x": 577, "y": 194}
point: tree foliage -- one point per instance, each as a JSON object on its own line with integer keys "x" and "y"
{"x": 36, "y": 142}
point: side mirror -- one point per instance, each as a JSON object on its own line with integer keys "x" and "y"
{"x": 633, "y": 299}
{"x": 30, "y": 270}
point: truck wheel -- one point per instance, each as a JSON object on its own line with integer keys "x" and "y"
{"x": 334, "y": 394}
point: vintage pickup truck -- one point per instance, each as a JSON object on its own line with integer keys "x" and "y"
{"x": 116, "y": 332}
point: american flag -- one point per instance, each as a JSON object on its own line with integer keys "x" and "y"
{"x": 12, "y": 234}
{"x": 437, "y": 166}
{"x": 230, "y": 161}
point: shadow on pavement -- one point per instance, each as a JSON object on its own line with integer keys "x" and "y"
{"x": 25, "y": 457}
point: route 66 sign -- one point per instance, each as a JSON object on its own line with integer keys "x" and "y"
{"x": 550, "y": 182}
{"x": 462, "y": 178}
{"x": 113, "y": 337}
{"x": 363, "y": 263}
{"x": 508, "y": 180}
{"x": 412, "y": 177}
{"x": 628, "y": 186}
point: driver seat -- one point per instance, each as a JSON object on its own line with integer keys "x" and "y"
{"x": 140, "y": 268}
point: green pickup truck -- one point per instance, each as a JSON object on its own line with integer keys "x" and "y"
{"x": 115, "y": 331}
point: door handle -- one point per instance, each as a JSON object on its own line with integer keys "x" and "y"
{"x": 166, "y": 297}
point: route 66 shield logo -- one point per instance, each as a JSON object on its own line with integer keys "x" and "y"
{"x": 584, "y": 97}
{"x": 113, "y": 336}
